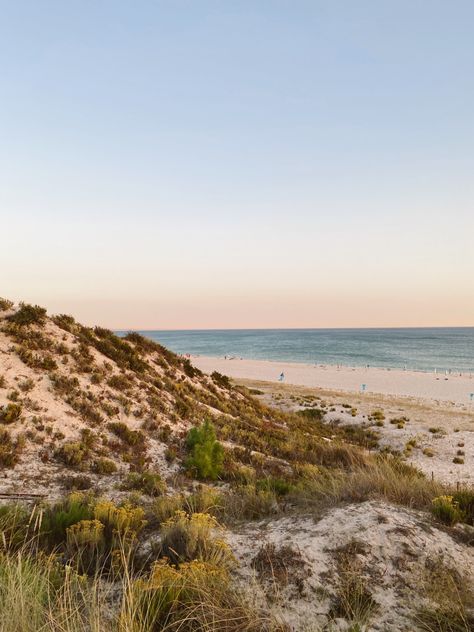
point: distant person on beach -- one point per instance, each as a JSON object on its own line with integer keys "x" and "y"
{"x": 282, "y": 377}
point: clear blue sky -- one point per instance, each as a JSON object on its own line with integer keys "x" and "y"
{"x": 213, "y": 164}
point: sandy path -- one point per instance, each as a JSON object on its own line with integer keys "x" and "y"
{"x": 451, "y": 388}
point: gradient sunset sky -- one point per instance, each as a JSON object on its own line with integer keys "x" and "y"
{"x": 239, "y": 164}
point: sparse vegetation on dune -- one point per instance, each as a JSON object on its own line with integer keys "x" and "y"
{"x": 170, "y": 459}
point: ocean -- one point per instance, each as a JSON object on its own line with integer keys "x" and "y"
{"x": 422, "y": 349}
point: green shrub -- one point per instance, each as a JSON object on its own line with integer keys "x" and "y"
{"x": 28, "y": 315}
{"x": 76, "y": 483}
{"x": 446, "y": 509}
{"x": 5, "y": 304}
{"x": 104, "y": 466}
{"x": 147, "y": 482}
{"x": 130, "y": 437}
{"x": 59, "y": 517}
{"x": 221, "y": 380}
{"x": 10, "y": 449}
{"x": 314, "y": 414}
{"x": 277, "y": 485}
{"x": 86, "y": 545}
{"x": 377, "y": 415}
{"x": 120, "y": 382}
{"x": 10, "y": 413}
{"x": 465, "y": 501}
{"x": 73, "y": 453}
{"x": 188, "y": 537}
{"x": 206, "y": 453}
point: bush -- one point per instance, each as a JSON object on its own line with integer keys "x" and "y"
{"x": 59, "y": 517}
{"x": 10, "y": 413}
{"x": 130, "y": 437}
{"x": 221, "y": 380}
{"x": 73, "y": 453}
{"x": 446, "y": 509}
{"x": 186, "y": 537}
{"x": 5, "y": 304}
{"x": 120, "y": 382}
{"x": 10, "y": 449}
{"x": 207, "y": 454}
{"x": 147, "y": 482}
{"x": 465, "y": 501}
{"x": 104, "y": 466}
{"x": 28, "y": 315}
{"x": 195, "y": 596}
{"x": 86, "y": 544}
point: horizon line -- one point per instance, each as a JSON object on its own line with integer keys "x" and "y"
{"x": 126, "y": 329}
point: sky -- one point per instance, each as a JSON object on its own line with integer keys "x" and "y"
{"x": 234, "y": 164}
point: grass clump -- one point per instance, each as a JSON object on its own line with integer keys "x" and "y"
{"x": 206, "y": 453}
{"x": 353, "y": 600}
{"x": 449, "y": 599}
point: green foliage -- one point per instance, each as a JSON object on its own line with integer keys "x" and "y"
{"x": 28, "y": 315}
{"x": 221, "y": 380}
{"x": 104, "y": 466}
{"x": 66, "y": 322}
{"x": 206, "y": 453}
{"x": 313, "y": 414}
{"x": 465, "y": 501}
{"x": 86, "y": 545}
{"x": 120, "y": 382}
{"x": 446, "y": 509}
{"x": 5, "y": 304}
{"x": 73, "y": 453}
{"x": 10, "y": 413}
{"x": 130, "y": 437}
{"x": 59, "y": 517}
{"x": 186, "y": 537}
{"x": 10, "y": 449}
{"x": 147, "y": 482}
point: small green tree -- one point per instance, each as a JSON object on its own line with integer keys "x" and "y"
{"x": 206, "y": 453}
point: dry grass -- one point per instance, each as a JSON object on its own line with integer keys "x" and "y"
{"x": 380, "y": 478}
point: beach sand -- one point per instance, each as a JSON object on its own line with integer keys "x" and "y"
{"x": 439, "y": 415}
{"x": 438, "y": 387}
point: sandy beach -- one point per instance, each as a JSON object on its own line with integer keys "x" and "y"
{"x": 438, "y": 416}
{"x": 452, "y": 388}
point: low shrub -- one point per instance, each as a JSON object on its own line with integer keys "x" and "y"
{"x": 5, "y": 304}
{"x": 28, "y": 315}
{"x": 104, "y": 466}
{"x": 446, "y": 509}
{"x": 221, "y": 380}
{"x": 186, "y": 537}
{"x": 10, "y": 449}
{"x": 57, "y": 518}
{"x": 10, "y": 413}
{"x": 206, "y": 453}
{"x": 148, "y": 482}
{"x": 73, "y": 453}
{"x": 465, "y": 501}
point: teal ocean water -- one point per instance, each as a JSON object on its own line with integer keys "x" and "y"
{"x": 423, "y": 349}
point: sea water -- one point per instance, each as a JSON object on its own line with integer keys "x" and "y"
{"x": 423, "y": 349}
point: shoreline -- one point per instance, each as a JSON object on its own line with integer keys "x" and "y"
{"x": 453, "y": 387}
